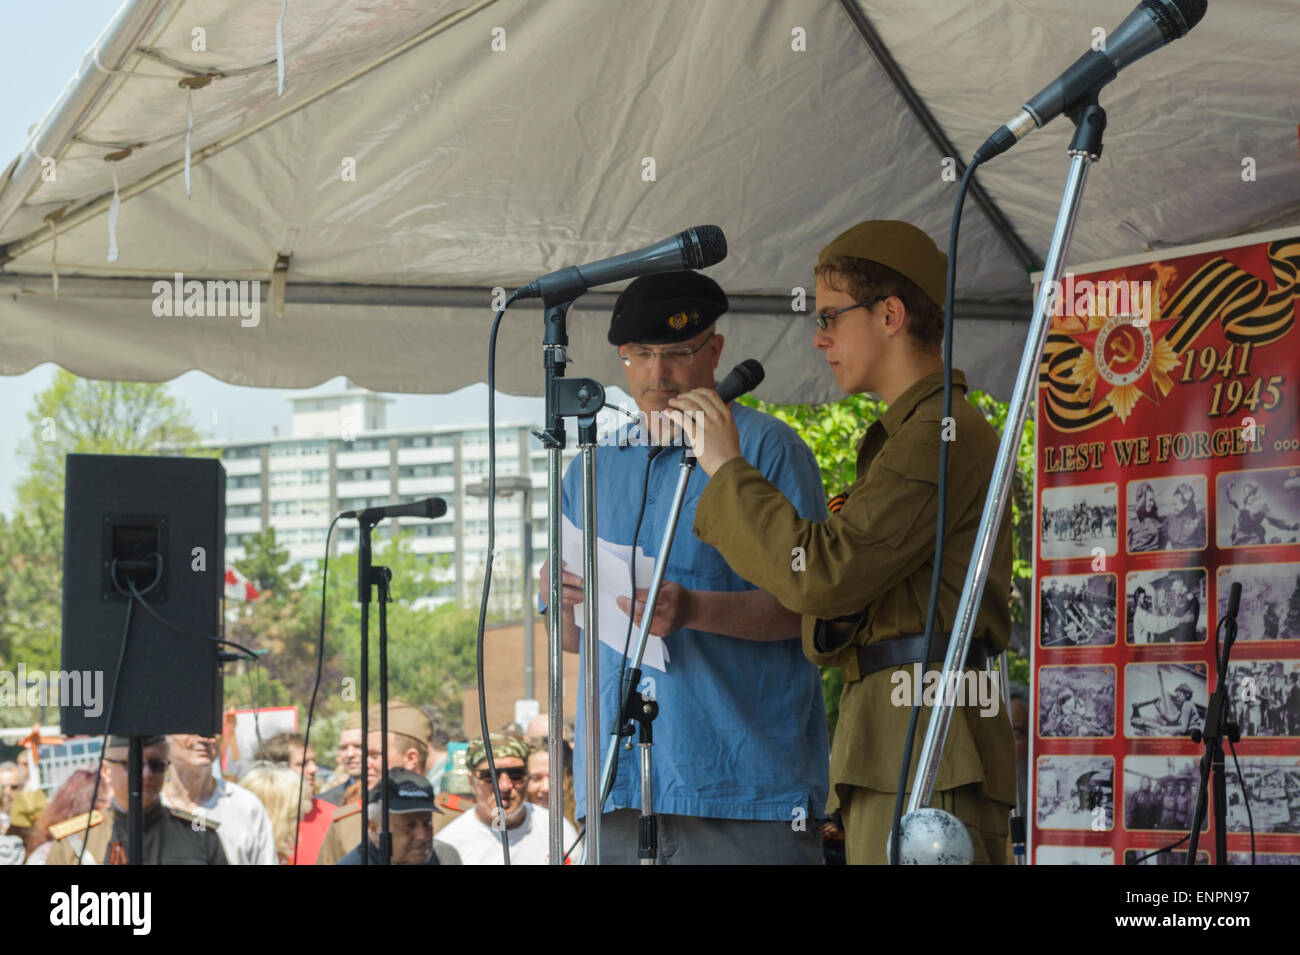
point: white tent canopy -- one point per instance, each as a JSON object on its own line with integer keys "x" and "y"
{"x": 498, "y": 140}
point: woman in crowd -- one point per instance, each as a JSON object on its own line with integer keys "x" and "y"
{"x": 72, "y": 799}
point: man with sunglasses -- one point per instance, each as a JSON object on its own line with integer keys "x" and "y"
{"x": 740, "y": 741}
{"x": 476, "y": 836}
{"x": 864, "y": 587}
{"x": 171, "y": 836}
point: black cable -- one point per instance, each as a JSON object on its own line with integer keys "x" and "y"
{"x": 941, "y": 518}
{"x": 581, "y": 832}
{"x": 311, "y": 707}
{"x": 112, "y": 696}
{"x": 1245, "y": 797}
{"x": 487, "y": 571}
{"x": 1156, "y": 852}
{"x": 144, "y": 605}
{"x": 108, "y": 725}
{"x": 623, "y": 688}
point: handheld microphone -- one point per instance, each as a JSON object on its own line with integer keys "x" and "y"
{"x": 697, "y": 248}
{"x": 1234, "y": 601}
{"x": 430, "y": 507}
{"x": 1152, "y": 25}
{"x": 742, "y": 379}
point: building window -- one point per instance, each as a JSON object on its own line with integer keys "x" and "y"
{"x": 244, "y": 480}
{"x": 364, "y": 474}
{"x": 235, "y": 454}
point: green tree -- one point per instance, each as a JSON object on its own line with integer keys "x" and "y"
{"x": 83, "y": 416}
{"x": 833, "y": 432}
{"x": 267, "y": 565}
{"x": 73, "y": 415}
{"x": 431, "y": 651}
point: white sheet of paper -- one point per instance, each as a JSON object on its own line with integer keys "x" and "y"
{"x": 614, "y": 579}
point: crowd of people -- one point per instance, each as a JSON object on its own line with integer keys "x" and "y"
{"x": 1079, "y": 521}
{"x": 283, "y": 809}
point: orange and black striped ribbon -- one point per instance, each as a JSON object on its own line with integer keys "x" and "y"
{"x": 1249, "y": 311}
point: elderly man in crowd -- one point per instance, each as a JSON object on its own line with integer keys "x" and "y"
{"x": 410, "y": 821}
{"x": 476, "y": 835}
{"x": 244, "y": 827}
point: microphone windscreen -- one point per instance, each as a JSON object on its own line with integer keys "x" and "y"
{"x": 742, "y": 379}
{"x": 704, "y": 245}
{"x": 437, "y": 507}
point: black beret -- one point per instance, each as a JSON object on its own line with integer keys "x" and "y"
{"x": 666, "y": 307}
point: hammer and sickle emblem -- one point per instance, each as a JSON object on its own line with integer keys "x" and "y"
{"x": 1127, "y": 353}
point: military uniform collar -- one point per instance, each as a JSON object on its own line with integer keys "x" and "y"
{"x": 921, "y": 389}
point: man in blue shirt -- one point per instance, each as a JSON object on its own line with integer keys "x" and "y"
{"x": 741, "y": 749}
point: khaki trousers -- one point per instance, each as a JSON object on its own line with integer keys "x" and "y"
{"x": 868, "y": 814}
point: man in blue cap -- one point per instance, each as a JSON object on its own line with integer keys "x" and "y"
{"x": 740, "y": 742}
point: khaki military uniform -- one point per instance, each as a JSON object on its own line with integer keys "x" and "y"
{"x": 343, "y": 835}
{"x": 877, "y": 552}
{"x": 170, "y": 838}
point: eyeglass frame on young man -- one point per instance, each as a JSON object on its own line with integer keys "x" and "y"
{"x": 825, "y": 318}
{"x": 679, "y": 358}
{"x": 485, "y": 775}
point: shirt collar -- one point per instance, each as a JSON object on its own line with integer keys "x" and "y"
{"x": 921, "y": 389}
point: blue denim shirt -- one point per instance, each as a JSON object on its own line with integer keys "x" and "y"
{"x": 741, "y": 731}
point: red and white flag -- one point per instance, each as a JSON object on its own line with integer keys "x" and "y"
{"x": 238, "y": 587}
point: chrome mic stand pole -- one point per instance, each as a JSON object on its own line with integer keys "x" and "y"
{"x": 590, "y": 640}
{"x": 637, "y": 709}
{"x": 565, "y": 398}
{"x": 1085, "y": 148}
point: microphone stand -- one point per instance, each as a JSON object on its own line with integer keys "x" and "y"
{"x": 580, "y": 398}
{"x": 368, "y": 576}
{"x": 1016, "y": 824}
{"x": 134, "y": 804}
{"x": 1085, "y": 148}
{"x": 1217, "y": 726}
{"x": 638, "y": 711}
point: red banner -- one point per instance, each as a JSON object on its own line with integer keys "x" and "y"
{"x": 1168, "y": 468}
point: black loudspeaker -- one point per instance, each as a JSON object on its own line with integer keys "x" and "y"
{"x": 160, "y": 524}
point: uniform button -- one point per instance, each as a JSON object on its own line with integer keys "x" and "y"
{"x": 650, "y": 500}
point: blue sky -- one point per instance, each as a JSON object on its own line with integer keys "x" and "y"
{"x": 41, "y": 48}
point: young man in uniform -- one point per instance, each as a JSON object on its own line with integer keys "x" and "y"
{"x": 740, "y": 742}
{"x": 171, "y": 836}
{"x": 408, "y": 748}
{"x": 861, "y": 579}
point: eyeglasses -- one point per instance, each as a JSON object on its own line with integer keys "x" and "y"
{"x": 674, "y": 357}
{"x": 825, "y": 318}
{"x": 155, "y": 766}
{"x": 517, "y": 774}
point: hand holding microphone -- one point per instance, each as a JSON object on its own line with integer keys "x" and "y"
{"x": 707, "y": 422}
